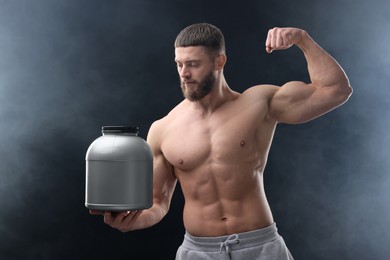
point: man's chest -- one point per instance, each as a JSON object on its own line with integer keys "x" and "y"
{"x": 189, "y": 144}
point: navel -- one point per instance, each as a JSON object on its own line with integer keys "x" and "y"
{"x": 224, "y": 218}
{"x": 242, "y": 143}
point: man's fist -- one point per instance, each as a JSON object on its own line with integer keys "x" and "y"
{"x": 283, "y": 38}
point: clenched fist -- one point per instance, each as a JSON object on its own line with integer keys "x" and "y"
{"x": 283, "y": 38}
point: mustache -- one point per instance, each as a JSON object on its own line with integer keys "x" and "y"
{"x": 189, "y": 81}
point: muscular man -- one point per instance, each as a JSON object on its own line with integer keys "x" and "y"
{"x": 216, "y": 143}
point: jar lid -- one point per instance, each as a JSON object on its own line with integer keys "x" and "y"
{"x": 120, "y": 129}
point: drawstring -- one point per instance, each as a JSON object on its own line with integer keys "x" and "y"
{"x": 232, "y": 239}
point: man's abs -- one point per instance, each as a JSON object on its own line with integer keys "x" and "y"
{"x": 221, "y": 215}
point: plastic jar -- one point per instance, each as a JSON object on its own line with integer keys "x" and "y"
{"x": 119, "y": 171}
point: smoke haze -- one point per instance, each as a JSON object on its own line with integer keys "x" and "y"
{"x": 69, "y": 67}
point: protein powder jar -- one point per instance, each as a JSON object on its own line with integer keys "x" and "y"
{"x": 119, "y": 171}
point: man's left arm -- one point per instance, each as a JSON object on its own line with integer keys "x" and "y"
{"x": 297, "y": 102}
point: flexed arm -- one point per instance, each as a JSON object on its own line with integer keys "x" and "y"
{"x": 297, "y": 102}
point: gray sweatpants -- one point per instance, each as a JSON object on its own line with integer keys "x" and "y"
{"x": 260, "y": 244}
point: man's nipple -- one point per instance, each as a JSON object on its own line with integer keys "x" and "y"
{"x": 181, "y": 161}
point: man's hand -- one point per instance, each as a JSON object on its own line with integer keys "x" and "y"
{"x": 122, "y": 221}
{"x": 283, "y": 38}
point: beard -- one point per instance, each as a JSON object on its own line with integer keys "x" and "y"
{"x": 199, "y": 89}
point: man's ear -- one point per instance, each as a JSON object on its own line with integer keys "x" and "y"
{"x": 221, "y": 61}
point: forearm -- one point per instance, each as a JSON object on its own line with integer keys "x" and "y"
{"x": 324, "y": 71}
{"x": 148, "y": 218}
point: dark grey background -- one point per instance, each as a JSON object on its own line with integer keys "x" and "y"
{"x": 69, "y": 67}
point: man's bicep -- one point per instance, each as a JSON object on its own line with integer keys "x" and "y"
{"x": 164, "y": 180}
{"x": 297, "y": 102}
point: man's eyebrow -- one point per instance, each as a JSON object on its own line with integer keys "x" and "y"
{"x": 187, "y": 61}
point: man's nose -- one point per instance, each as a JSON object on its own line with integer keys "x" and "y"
{"x": 185, "y": 72}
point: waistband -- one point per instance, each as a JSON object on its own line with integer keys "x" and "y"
{"x": 231, "y": 242}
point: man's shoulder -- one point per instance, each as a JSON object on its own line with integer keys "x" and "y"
{"x": 162, "y": 126}
{"x": 257, "y": 100}
{"x": 167, "y": 119}
{"x": 264, "y": 90}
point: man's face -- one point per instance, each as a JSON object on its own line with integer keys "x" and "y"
{"x": 196, "y": 71}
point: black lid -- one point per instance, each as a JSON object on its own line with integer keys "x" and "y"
{"x": 120, "y": 129}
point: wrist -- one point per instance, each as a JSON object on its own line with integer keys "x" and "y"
{"x": 303, "y": 38}
{"x": 306, "y": 43}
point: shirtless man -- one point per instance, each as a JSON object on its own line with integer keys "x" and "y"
{"x": 216, "y": 144}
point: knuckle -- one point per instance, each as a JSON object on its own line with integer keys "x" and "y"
{"x": 123, "y": 229}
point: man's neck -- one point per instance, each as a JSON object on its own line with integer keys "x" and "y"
{"x": 220, "y": 94}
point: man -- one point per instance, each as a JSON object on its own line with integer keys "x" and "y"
{"x": 216, "y": 143}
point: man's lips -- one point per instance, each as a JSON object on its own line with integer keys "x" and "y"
{"x": 189, "y": 83}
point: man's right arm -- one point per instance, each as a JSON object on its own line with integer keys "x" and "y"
{"x": 164, "y": 182}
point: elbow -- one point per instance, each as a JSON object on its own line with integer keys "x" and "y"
{"x": 347, "y": 93}
{"x": 344, "y": 92}
{"x": 161, "y": 209}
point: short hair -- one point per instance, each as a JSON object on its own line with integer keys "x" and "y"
{"x": 202, "y": 34}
